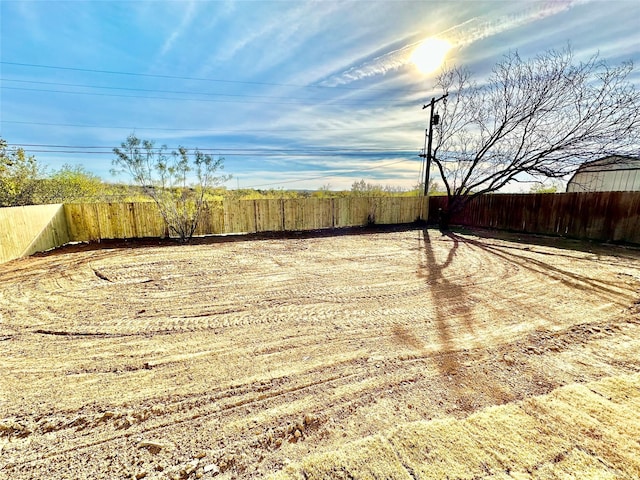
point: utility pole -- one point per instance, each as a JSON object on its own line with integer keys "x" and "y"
{"x": 427, "y": 153}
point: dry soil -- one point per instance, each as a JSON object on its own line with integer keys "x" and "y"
{"x": 232, "y": 358}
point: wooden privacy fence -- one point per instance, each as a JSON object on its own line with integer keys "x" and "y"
{"x": 92, "y": 222}
{"x": 26, "y": 230}
{"x": 606, "y": 216}
{"x": 31, "y": 229}
{"x": 602, "y": 216}
{"x": 316, "y": 213}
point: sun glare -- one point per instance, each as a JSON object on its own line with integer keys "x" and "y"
{"x": 429, "y": 55}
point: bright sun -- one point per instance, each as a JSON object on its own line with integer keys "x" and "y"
{"x": 429, "y": 55}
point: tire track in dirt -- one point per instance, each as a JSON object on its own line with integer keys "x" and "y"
{"x": 282, "y": 429}
{"x": 290, "y": 394}
{"x": 252, "y": 353}
{"x": 124, "y": 420}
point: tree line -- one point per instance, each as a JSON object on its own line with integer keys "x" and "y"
{"x": 25, "y": 181}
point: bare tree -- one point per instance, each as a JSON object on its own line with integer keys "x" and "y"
{"x": 533, "y": 119}
{"x": 176, "y": 181}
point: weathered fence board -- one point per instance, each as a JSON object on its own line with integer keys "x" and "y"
{"x": 400, "y": 210}
{"x": 239, "y": 216}
{"x": 148, "y": 222}
{"x": 349, "y": 212}
{"x": 100, "y": 221}
{"x": 82, "y": 221}
{"x": 602, "y": 216}
{"x": 31, "y": 229}
{"x": 605, "y": 216}
{"x": 269, "y": 215}
{"x": 212, "y": 219}
{"x": 308, "y": 213}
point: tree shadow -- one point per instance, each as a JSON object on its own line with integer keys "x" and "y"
{"x": 554, "y": 241}
{"x": 449, "y": 300}
{"x": 483, "y": 375}
{"x": 514, "y": 256}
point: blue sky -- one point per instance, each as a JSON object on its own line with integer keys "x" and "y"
{"x": 292, "y": 94}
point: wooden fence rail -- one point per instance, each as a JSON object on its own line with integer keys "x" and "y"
{"x": 606, "y": 216}
{"x": 25, "y": 230}
{"x": 602, "y": 216}
{"x": 97, "y": 221}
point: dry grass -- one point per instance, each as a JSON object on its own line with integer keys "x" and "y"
{"x": 578, "y": 431}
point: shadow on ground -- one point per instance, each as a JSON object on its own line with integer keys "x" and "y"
{"x": 516, "y": 256}
{"x": 132, "y": 243}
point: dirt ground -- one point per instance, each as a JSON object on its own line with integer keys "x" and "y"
{"x": 234, "y": 358}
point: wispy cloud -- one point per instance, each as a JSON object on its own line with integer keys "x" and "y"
{"x": 187, "y": 18}
{"x": 25, "y": 16}
{"x": 460, "y": 35}
{"x": 480, "y": 28}
{"x": 277, "y": 33}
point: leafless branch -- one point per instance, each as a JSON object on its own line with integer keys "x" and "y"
{"x": 541, "y": 117}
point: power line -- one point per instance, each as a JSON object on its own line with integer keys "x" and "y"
{"x": 181, "y": 99}
{"x": 236, "y": 154}
{"x": 176, "y": 92}
{"x": 305, "y": 151}
{"x": 108, "y": 127}
{"x": 317, "y": 153}
{"x": 178, "y": 77}
{"x": 255, "y": 152}
{"x": 310, "y": 148}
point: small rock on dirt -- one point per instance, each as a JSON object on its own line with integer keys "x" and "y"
{"x": 106, "y": 416}
{"x": 190, "y": 467}
{"x": 211, "y": 468}
{"x": 309, "y": 418}
{"x": 154, "y": 446}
